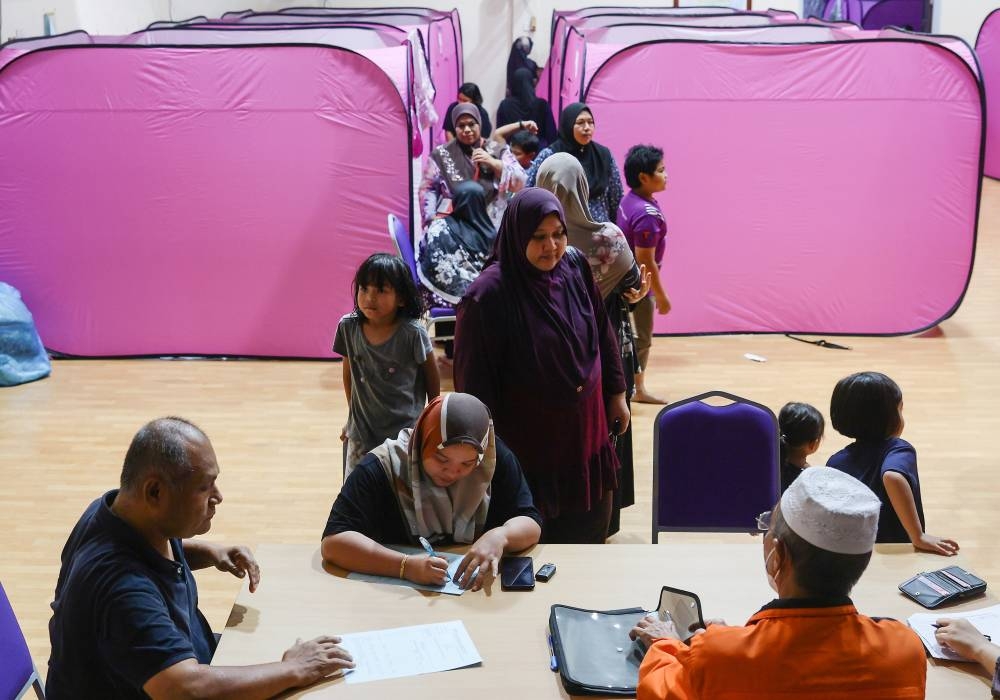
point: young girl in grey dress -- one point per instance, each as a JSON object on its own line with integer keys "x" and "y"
{"x": 389, "y": 368}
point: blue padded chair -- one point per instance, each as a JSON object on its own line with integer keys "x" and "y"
{"x": 401, "y": 237}
{"x": 715, "y": 468}
{"x": 17, "y": 672}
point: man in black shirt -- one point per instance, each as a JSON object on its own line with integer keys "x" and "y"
{"x": 125, "y": 618}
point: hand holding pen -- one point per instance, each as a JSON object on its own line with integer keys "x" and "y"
{"x": 434, "y": 569}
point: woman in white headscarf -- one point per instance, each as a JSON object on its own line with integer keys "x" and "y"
{"x": 449, "y": 480}
{"x": 620, "y": 281}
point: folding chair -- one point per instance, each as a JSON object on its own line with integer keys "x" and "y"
{"x": 17, "y": 671}
{"x": 715, "y": 468}
{"x": 435, "y": 315}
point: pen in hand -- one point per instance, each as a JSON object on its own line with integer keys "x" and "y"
{"x": 430, "y": 552}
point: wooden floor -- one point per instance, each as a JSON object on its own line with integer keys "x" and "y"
{"x": 275, "y": 428}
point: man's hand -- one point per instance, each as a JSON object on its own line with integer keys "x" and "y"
{"x": 484, "y": 554}
{"x": 317, "y": 658}
{"x": 648, "y": 630}
{"x": 238, "y": 560}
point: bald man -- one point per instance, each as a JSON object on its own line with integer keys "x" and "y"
{"x": 125, "y": 620}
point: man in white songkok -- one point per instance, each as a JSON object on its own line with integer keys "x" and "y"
{"x": 809, "y": 642}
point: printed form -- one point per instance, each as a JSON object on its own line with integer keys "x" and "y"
{"x": 409, "y": 651}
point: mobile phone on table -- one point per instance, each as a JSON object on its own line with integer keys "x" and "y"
{"x": 517, "y": 574}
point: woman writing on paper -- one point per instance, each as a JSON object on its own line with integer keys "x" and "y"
{"x": 449, "y": 479}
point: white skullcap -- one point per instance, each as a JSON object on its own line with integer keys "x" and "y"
{"x": 832, "y": 510}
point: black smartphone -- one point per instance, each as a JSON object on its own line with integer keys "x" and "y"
{"x": 517, "y": 574}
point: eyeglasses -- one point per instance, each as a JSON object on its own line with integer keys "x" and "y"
{"x": 764, "y": 521}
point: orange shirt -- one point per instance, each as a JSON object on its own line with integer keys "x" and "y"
{"x": 819, "y": 653}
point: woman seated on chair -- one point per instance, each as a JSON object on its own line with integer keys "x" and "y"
{"x": 449, "y": 480}
{"x": 454, "y": 250}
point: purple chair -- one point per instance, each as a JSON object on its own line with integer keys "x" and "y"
{"x": 906, "y": 14}
{"x": 715, "y": 468}
{"x": 17, "y": 672}
{"x": 401, "y": 237}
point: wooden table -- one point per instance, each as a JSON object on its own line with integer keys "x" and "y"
{"x": 300, "y": 596}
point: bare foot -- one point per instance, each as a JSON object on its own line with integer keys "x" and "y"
{"x": 646, "y": 397}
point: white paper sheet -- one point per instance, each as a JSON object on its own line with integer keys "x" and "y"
{"x": 409, "y": 651}
{"x": 986, "y": 620}
{"x": 451, "y": 588}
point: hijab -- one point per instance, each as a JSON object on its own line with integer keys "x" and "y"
{"x": 604, "y": 244}
{"x": 432, "y": 511}
{"x": 454, "y": 159}
{"x": 595, "y": 158}
{"x": 518, "y": 58}
{"x": 522, "y": 104}
{"x": 557, "y": 299}
{"x": 465, "y": 109}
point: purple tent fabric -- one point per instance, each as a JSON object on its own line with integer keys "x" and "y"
{"x": 197, "y": 200}
{"x": 845, "y": 154}
{"x": 905, "y": 14}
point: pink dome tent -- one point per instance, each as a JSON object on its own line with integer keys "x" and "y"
{"x": 213, "y": 196}
{"x": 828, "y": 187}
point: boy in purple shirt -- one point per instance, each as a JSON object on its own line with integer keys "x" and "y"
{"x": 640, "y": 218}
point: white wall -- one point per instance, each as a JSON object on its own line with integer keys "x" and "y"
{"x": 962, "y": 17}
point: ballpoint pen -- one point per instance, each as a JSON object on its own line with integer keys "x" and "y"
{"x": 553, "y": 663}
{"x": 430, "y": 552}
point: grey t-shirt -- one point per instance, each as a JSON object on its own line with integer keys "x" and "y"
{"x": 388, "y": 387}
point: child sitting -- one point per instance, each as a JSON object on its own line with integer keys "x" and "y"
{"x": 868, "y": 407}
{"x": 801, "y": 427}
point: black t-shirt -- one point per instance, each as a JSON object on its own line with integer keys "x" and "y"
{"x": 122, "y": 612}
{"x": 789, "y": 473}
{"x": 367, "y": 503}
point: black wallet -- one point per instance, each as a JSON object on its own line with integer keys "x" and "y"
{"x": 933, "y": 589}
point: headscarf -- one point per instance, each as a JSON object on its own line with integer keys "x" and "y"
{"x": 454, "y": 159}
{"x": 432, "y": 511}
{"x": 522, "y": 103}
{"x": 604, "y": 244}
{"x": 595, "y": 158}
{"x": 556, "y": 298}
{"x": 518, "y": 58}
{"x": 465, "y": 109}
{"x": 450, "y": 259}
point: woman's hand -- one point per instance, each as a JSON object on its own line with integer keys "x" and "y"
{"x": 484, "y": 555}
{"x": 936, "y": 545}
{"x": 635, "y": 295}
{"x": 430, "y": 571}
{"x": 617, "y": 410}
{"x": 343, "y": 433}
{"x": 965, "y": 640}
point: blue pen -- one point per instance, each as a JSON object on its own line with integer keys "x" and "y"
{"x": 553, "y": 664}
{"x": 430, "y": 552}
